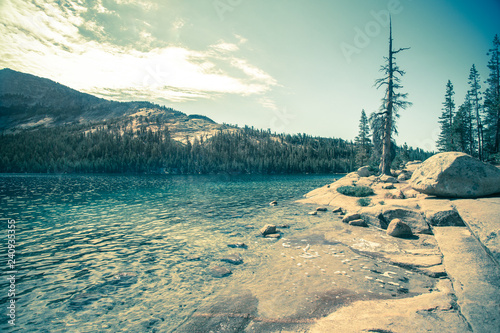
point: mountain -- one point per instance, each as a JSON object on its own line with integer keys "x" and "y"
{"x": 46, "y": 127}
{"x": 28, "y": 101}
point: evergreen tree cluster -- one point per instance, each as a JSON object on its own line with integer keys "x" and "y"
{"x": 474, "y": 127}
{"x": 114, "y": 147}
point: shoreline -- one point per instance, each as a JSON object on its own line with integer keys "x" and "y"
{"x": 332, "y": 276}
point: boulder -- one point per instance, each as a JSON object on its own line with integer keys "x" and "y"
{"x": 445, "y": 218}
{"x": 358, "y": 223}
{"x": 364, "y": 172}
{"x": 381, "y": 216}
{"x": 268, "y": 229}
{"x": 387, "y": 179}
{"x": 402, "y": 177}
{"x": 456, "y": 175}
{"x": 351, "y": 217}
{"x": 219, "y": 271}
{"x": 337, "y": 210}
{"x": 398, "y": 228}
{"x": 234, "y": 259}
{"x": 321, "y": 209}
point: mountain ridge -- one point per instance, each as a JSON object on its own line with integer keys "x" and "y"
{"x": 28, "y": 101}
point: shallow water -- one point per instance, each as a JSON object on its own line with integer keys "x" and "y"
{"x": 134, "y": 253}
{"x": 111, "y": 252}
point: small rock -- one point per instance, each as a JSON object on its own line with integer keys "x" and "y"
{"x": 276, "y": 235}
{"x": 313, "y": 213}
{"x": 284, "y": 226}
{"x": 219, "y": 271}
{"x": 398, "y": 228}
{"x": 321, "y": 209}
{"x": 351, "y": 217}
{"x": 388, "y": 187}
{"x": 358, "y": 223}
{"x": 249, "y": 226}
{"x": 337, "y": 210}
{"x": 273, "y": 203}
{"x": 234, "y": 259}
{"x": 238, "y": 245}
{"x": 268, "y": 229}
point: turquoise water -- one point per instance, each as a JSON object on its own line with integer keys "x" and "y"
{"x": 132, "y": 253}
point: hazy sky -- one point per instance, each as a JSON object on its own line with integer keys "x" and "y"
{"x": 289, "y": 65}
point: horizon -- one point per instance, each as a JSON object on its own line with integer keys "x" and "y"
{"x": 237, "y": 62}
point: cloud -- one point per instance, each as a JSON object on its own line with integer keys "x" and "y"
{"x": 93, "y": 50}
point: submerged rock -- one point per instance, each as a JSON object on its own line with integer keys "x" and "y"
{"x": 456, "y": 175}
{"x": 273, "y": 203}
{"x": 234, "y": 259}
{"x": 398, "y": 228}
{"x": 237, "y": 245}
{"x": 219, "y": 271}
{"x": 275, "y": 236}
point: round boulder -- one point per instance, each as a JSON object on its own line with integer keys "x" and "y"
{"x": 364, "y": 172}
{"x": 398, "y": 228}
{"x": 456, "y": 175}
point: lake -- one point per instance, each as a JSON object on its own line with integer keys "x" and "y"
{"x": 132, "y": 253}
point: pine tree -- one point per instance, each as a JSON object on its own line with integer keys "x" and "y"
{"x": 475, "y": 98}
{"x": 461, "y": 130}
{"x": 445, "y": 141}
{"x": 492, "y": 98}
{"x": 391, "y": 103}
{"x": 363, "y": 140}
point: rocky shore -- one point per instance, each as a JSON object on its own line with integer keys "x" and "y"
{"x": 367, "y": 253}
{"x": 432, "y": 218}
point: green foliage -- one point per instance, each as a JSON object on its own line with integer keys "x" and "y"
{"x": 445, "y": 141}
{"x": 363, "y": 141}
{"x": 114, "y": 147}
{"x": 363, "y": 202}
{"x": 355, "y": 191}
{"x": 492, "y": 99}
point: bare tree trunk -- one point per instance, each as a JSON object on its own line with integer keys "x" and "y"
{"x": 385, "y": 164}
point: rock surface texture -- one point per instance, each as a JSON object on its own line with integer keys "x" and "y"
{"x": 456, "y": 175}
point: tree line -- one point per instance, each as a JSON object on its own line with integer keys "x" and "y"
{"x": 474, "y": 127}
{"x": 114, "y": 147}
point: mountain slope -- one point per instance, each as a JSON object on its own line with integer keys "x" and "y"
{"x": 28, "y": 101}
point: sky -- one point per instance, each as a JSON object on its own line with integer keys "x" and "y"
{"x": 292, "y": 66}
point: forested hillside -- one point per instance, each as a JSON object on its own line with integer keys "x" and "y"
{"x": 113, "y": 147}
